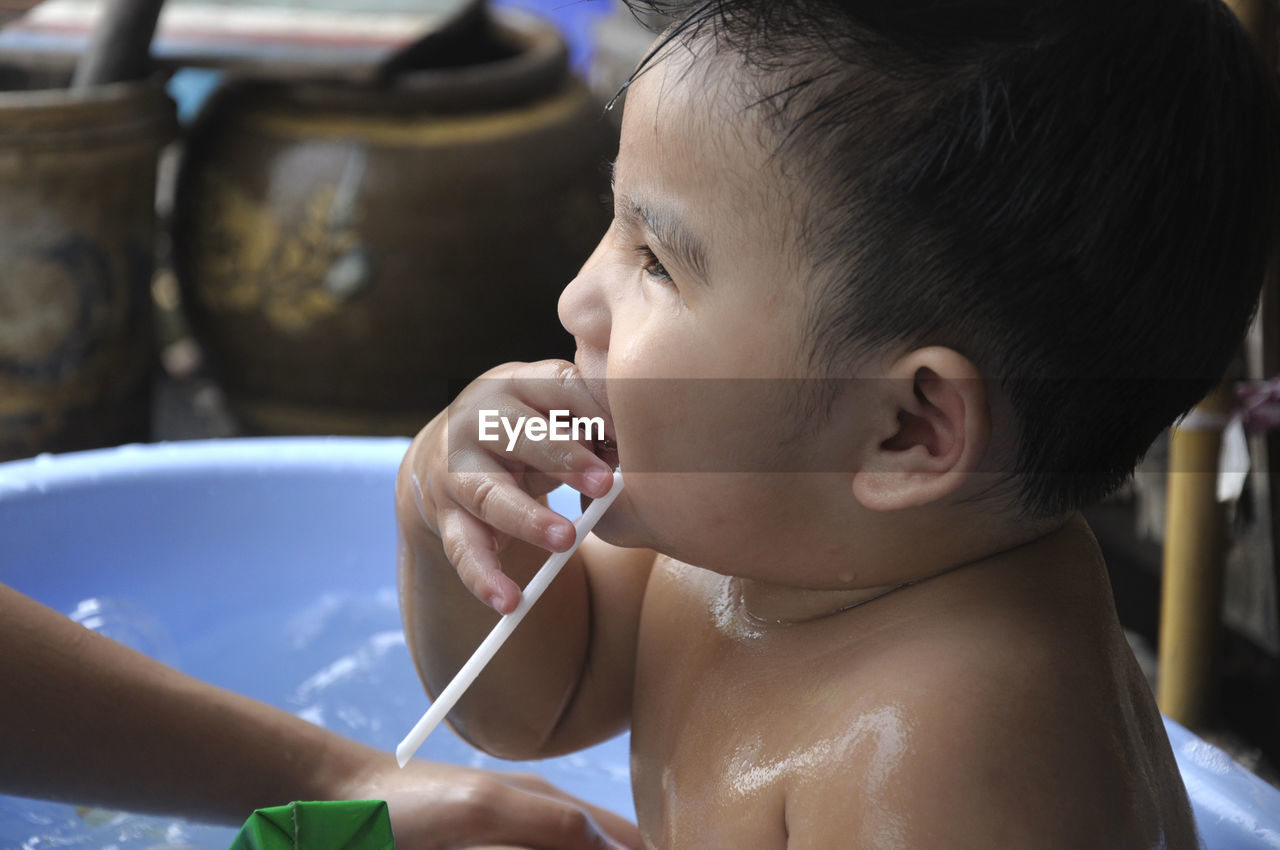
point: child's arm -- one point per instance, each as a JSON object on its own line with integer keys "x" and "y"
{"x": 88, "y": 720}
{"x": 470, "y": 510}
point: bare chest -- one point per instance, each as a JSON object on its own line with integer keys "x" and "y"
{"x": 727, "y": 723}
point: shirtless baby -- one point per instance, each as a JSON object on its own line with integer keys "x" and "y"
{"x": 891, "y": 291}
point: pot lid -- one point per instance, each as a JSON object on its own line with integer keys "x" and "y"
{"x": 285, "y": 39}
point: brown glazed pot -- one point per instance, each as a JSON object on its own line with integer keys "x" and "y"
{"x": 77, "y": 226}
{"x": 349, "y": 255}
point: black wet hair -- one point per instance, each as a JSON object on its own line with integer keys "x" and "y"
{"x": 1081, "y": 197}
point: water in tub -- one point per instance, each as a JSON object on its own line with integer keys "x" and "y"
{"x": 338, "y": 660}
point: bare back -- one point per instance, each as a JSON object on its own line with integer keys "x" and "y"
{"x": 998, "y": 706}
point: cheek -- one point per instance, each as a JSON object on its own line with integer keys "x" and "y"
{"x": 652, "y": 373}
{"x": 647, "y": 429}
{"x": 672, "y": 424}
{"x": 729, "y": 523}
{"x": 645, "y": 346}
{"x": 679, "y": 424}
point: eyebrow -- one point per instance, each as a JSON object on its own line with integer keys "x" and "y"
{"x": 667, "y": 229}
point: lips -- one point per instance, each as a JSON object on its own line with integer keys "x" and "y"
{"x": 607, "y": 448}
{"x": 607, "y": 451}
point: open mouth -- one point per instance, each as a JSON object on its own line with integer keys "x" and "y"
{"x": 607, "y": 450}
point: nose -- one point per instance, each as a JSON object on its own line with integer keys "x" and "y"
{"x": 583, "y": 308}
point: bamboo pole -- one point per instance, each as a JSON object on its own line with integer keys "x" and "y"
{"x": 1191, "y": 593}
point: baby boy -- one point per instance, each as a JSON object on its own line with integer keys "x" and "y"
{"x": 892, "y": 289}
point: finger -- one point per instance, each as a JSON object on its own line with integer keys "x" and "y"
{"x": 559, "y": 383}
{"x": 534, "y": 820}
{"x": 615, "y": 826}
{"x": 471, "y": 548}
{"x": 621, "y": 831}
{"x": 491, "y": 493}
{"x": 509, "y": 437}
{"x": 565, "y": 462}
{"x": 539, "y": 483}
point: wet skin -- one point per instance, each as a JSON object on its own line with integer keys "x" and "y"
{"x": 997, "y": 706}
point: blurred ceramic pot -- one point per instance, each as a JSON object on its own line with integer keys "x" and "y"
{"x": 350, "y": 254}
{"x": 77, "y": 228}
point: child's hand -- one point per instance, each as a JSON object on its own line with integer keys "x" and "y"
{"x": 478, "y": 496}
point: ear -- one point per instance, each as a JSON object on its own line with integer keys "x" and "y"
{"x": 931, "y": 429}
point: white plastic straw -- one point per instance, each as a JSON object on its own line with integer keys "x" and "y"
{"x": 489, "y": 647}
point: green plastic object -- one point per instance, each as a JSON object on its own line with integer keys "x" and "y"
{"x": 346, "y": 825}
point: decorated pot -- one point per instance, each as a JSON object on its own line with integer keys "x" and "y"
{"x": 77, "y": 226}
{"x": 351, "y": 254}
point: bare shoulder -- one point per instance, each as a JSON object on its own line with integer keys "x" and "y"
{"x": 966, "y": 747}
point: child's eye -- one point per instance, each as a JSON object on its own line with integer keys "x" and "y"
{"x": 652, "y": 265}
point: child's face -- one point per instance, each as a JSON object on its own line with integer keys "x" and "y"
{"x": 700, "y": 353}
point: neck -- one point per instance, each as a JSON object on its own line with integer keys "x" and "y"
{"x": 780, "y": 605}
{"x": 769, "y": 604}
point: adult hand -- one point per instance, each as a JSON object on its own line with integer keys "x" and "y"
{"x": 440, "y": 807}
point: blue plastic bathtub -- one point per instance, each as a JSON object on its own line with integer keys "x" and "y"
{"x": 267, "y": 566}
